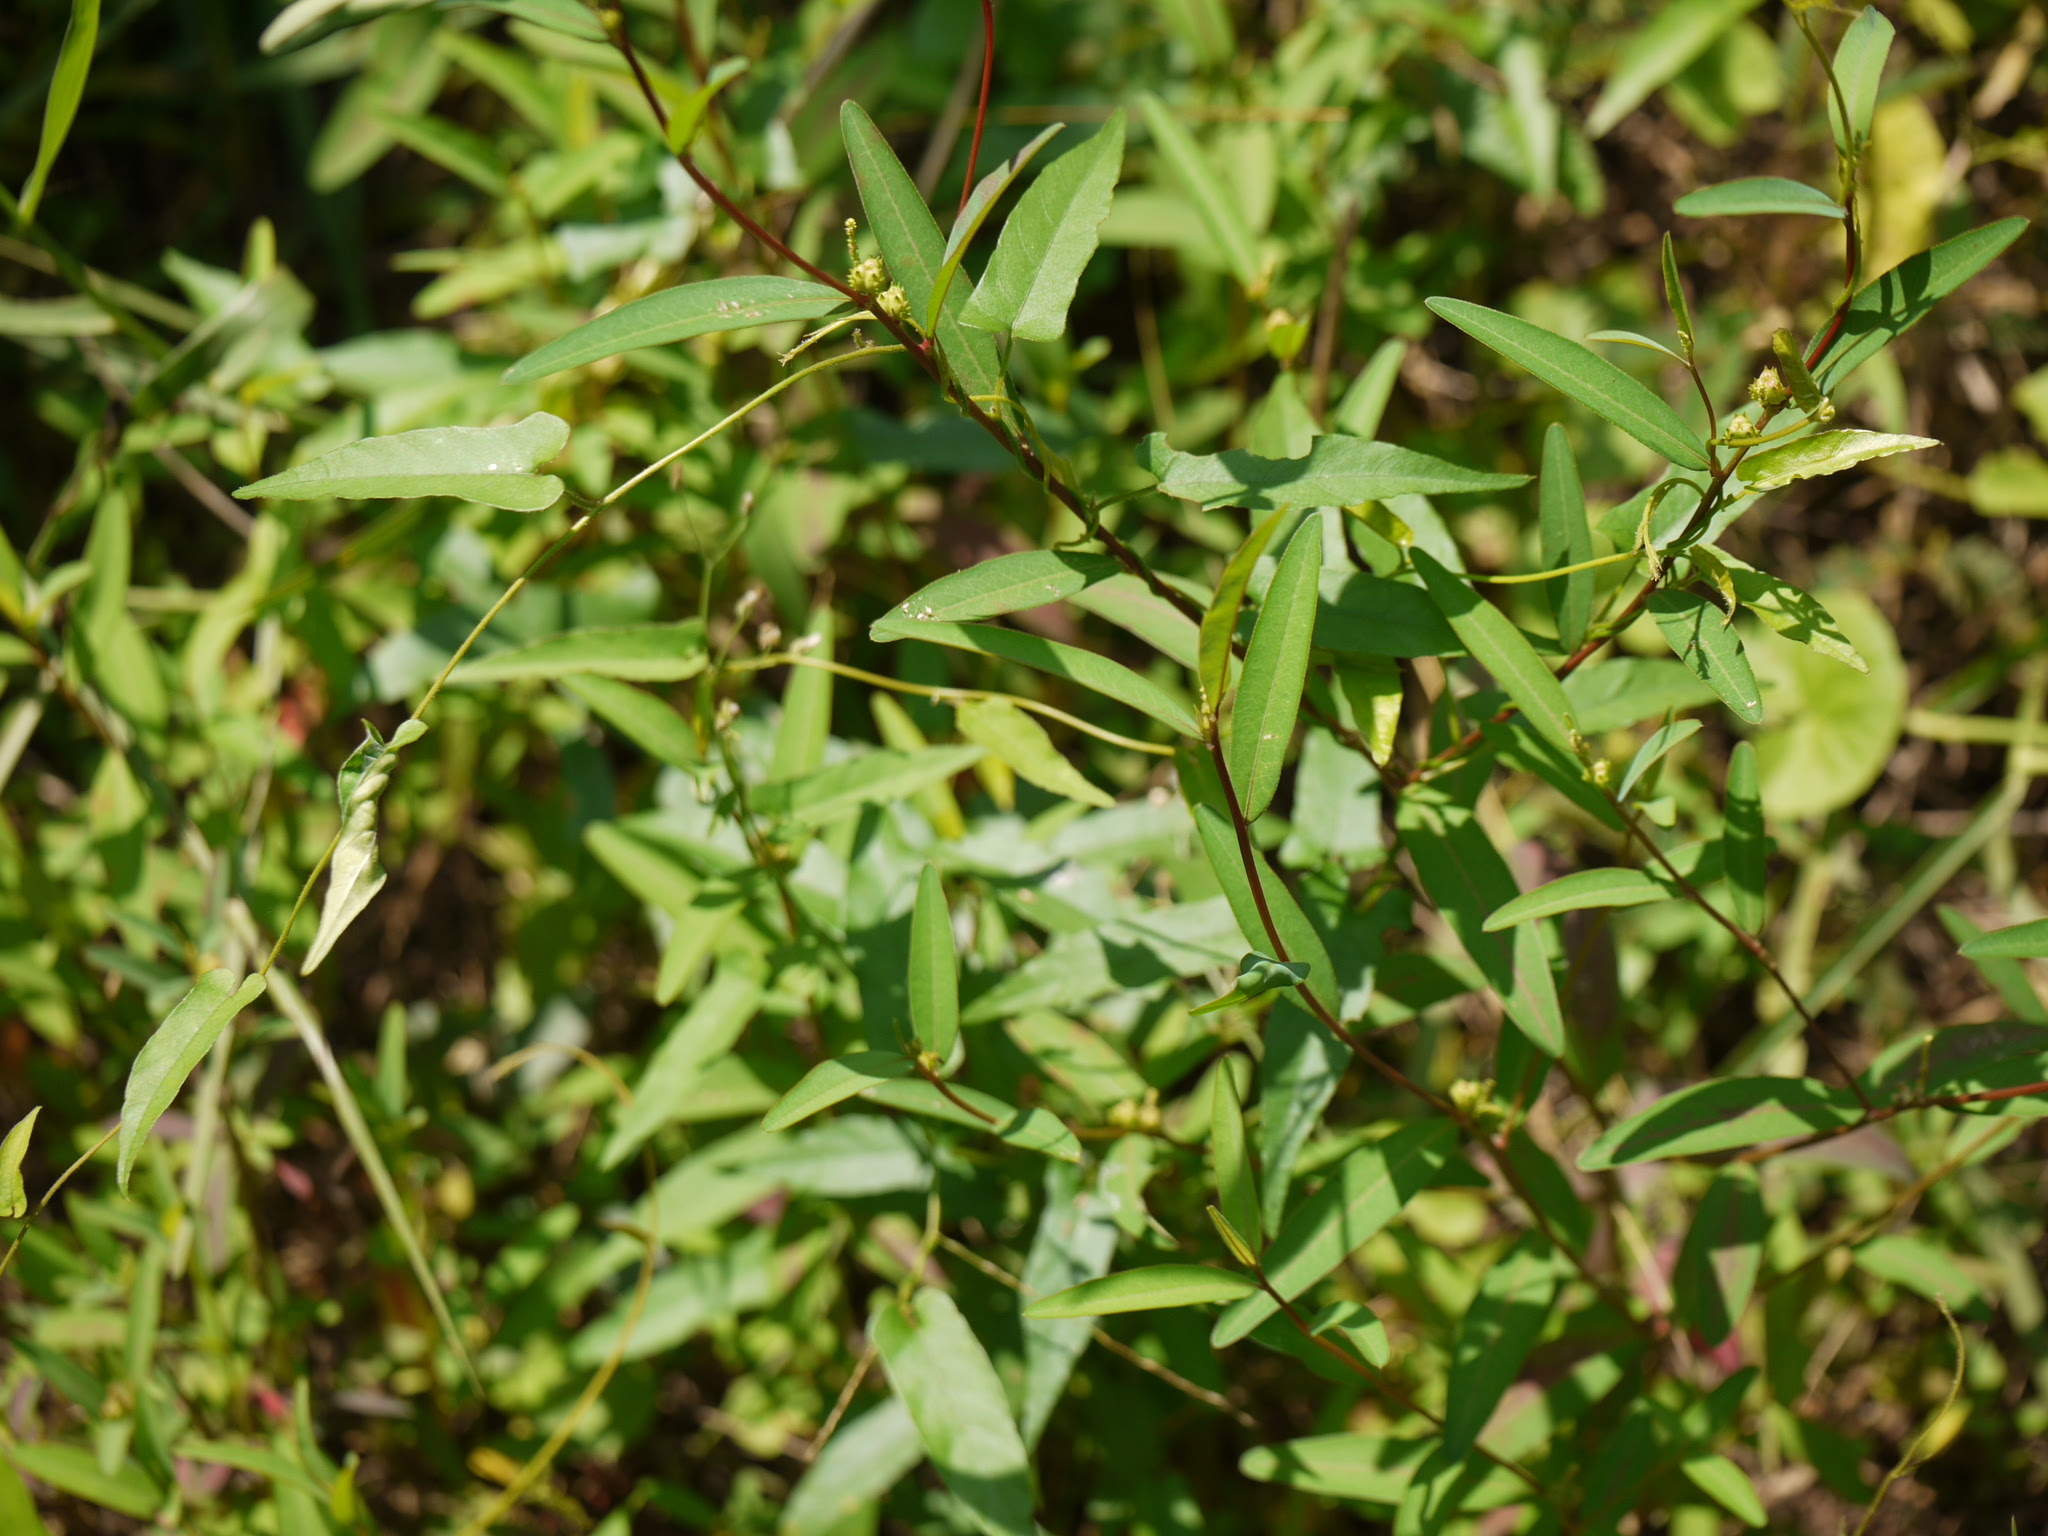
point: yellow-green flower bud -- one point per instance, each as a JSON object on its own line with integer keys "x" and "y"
{"x": 894, "y": 302}
{"x": 1768, "y": 389}
{"x": 868, "y": 276}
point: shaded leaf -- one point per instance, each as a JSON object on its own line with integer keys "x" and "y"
{"x": 956, "y": 1400}
{"x": 492, "y": 465}
{"x": 649, "y": 722}
{"x": 1727, "y": 1485}
{"x": 1337, "y": 471}
{"x": 1720, "y": 1116}
{"x": 1792, "y": 613}
{"x": 1275, "y": 668}
{"x": 1581, "y": 375}
{"x": 1075, "y": 1240}
{"x": 2006, "y": 974}
{"x": 1370, "y": 1468}
{"x": 1745, "y": 849}
{"x": 934, "y": 969}
{"x": 60, "y": 106}
{"x": 1894, "y": 303}
{"x": 1495, "y": 1336}
{"x": 1567, "y": 537}
{"x": 1710, "y": 649}
{"x": 1723, "y": 1251}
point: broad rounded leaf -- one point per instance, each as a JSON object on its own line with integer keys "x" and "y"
{"x": 1145, "y": 1290}
{"x": 1831, "y": 731}
{"x": 1825, "y": 453}
{"x": 168, "y": 1057}
{"x": 1720, "y": 1116}
{"x": 676, "y": 314}
{"x": 1582, "y": 375}
{"x": 1758, "y": 194}
{"x": 492, "y": 465}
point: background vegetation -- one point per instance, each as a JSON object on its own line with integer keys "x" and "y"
{"x": 376, "y": 1255}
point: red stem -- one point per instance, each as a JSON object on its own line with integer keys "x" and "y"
{"x": 988, "y": 65}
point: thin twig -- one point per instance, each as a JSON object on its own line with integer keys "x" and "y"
{"x": 988, "y": 65}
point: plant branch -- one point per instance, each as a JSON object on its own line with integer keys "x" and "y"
{"x": 988, "y": 66}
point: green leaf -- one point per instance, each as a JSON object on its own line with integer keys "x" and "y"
{"x": 1502, "y": 649}
{"x": 1495, "y": 1336}
{"x": 1792, "y": 613}
{"x": 914, "y": 251}
{"x": 871, "y": 1453}
{"x": 1655, "y": 54}
{"x": 1466, "y": 878}
{"x": 703, "y": 1036}
{"x": 1075, "y": 1241}
{"x": 1910, "y": 1260}
{"x": 641, "y": 653}
{"x": 456, "y": 150}
{"x": 1298, "y": 1077}
{"x": 1048, "y": 239}
{"x": 1030, "y": 1130}
{"x": 650, "y": 723}
{"x": 354, "y": 876}
{"x": 1581, "y": 375}
{"x": 1894, "y": 303}
{"x": 1674, "y": 296}
{"x": 2004, "y": 973}
{"x": 1218, "y": 209}
{"x": 1366, "y": 615}
{"x": 168, "y": 1057}
{"x": 492, "y": 465}
{"x": 1365, "y": 402}
{"x": 1727, "y": 1485}
{"x": 1372, "y": 687}
{"x": 1758, "y": 194}
{"x": 1711, "y": 650}
{"x": 1632, "y": 339}
{"x": 1567, "y": 537}
{"x": 934, "y": 969}
{"x": 1131, "y": 606}
{"x": 956, "y": 1400}
{"x": 1257, "y": 975}
{"x": 1104, "y": 676}
{"x": 1581, "y": 891}
{"x": 277, "y": 1467}
{"x": 806, "y": 722}
{"x": 1012, "y": 735}
{"x": 1832, "y": 731}
{"x": 17, "y": 1507}
{"x": 1275, "y": 668}
{"x": 1146, "y": 1290}
{"x": 1720, "y": 1116}
{"x": 980, "y": 204}
{"x": 75, "y": 1470}
{"x": 1652, "y": 752}
{"x": 1723, "y": 1251}
{"x": 1859, "y": 68}
{"x": 1368, "y": 1468}
{"x": 1219, "y": 622}
{"x": 1030, "y": 578}
{"x": 2022, "y": 941}
{"x": 13, "y": 1194}
{"x": 1745, "y": 849}
{"x": 676, "y": 314}
{"x": 1297, "y": 936}
{"x": 874, "y": 778}
{"x": 67, "y": 89}
{"x": 1337, "y": 471}
{"x": 1825, "y": 453}
{"x": 1365, "y": 1193}
{"x": 1967, "y": 1059}
{"x": 1237, "y": 1194}
{"x": 687, "y": 115}
{"x": 832, "y": 1082}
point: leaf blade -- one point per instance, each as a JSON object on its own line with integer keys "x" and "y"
{"x": 167, "y": 1058}
{"x": 1275, "y": 670}
{"x": 1758, "y": 195}
{"x": 1503, "y": 650}
{"x": 934, "y": 968}
{"x": 1337, "y": 471}
{"x": 1048, "y": 239}
{"x": 496, "y": 466}
{"x": 1154, "y": 1288}
{"x": 1719, "y": 1116}
{"x": 677, "y": 314}
{"x": 638, "y": 653}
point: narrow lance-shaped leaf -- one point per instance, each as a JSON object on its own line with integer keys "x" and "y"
{"x": 496, "y": 466}
{"x": 1257, "y": 975}
{"x": 1723, "y": 1251}
{"x": 1219, "y": 623}
{"x": 1567, "y": 538}
{"x": 1581, "y": 891}
{"x": 1728, "y": 1486}
{"x": 703, "y": 1036}
{"x": 1145, "y": 1290}
{"x": 1275, "y": 669}
{"x": 871, "y": 1453}
{"x": 1298, "y": 1077}
{"x": 1674, "y": 296}
{"x": 13, "y": 1194}
{"x": 1825, "y": 453}
{"x": 1048, "y": 239}
{"x": 1711, "y": 650}
{"x": 1337, "y": 471}
{"x": 677, "y": 314}
{"x": 1075, "y": 1241}
{"x": 1236, "y": 1193}
{"x": 806, "y": 723}
{"x": 2008, "y": 977}
{"x": 641, "y": 653}
{"x": 1745, "y": 849}
{"x": 1020, "y": 741}
{"x": 934, "y": 969}
{"x": 1372, "y": 687}
{"x": 354, "y": 876}
{"x": 1503, "y": 650}
{"x": 1755, "y": 195}
{"x": 1582, "y": 375}
{"x": 2022, "y": 941}
{"x": 1030, "y": 578}
{"x": 956, "y": 1400}
{"x": 686, "y": 115}
{"x": 1366, "y": 1192}
{"x": 60, "y": 107}
{"x": 981, "y": 203}
{"x": 832, "y": 1082}
{"x": 1719, "y": 1116}
{"x": 1214, "y": 204}
{"x": 1895, "y": 302}
{"x": 873, "y": 778}
{"x": 1297, "y": 935}
{"x": 168, "y": 1057}
{"x": 1658, "y": 51}
{"x": 1859, "y": 70}
{"x": 1797, "y": 615}
{"x": 1099, "y": 673}
{"x": 1495, "y": 1336}
{"x": 1652, "y": 752}
{"x": 1033, "y": 1130}
{"x": 1792, "y": 370}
